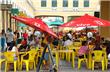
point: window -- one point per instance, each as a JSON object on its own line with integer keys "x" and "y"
{"x": 43, "y": 3}
{"x": 75, "y": 3}
{"x": 54, "y": 3}
{"x": 70, "y": 18}
{"x": 86, "y": 3}
{"x": 65, "y": 3}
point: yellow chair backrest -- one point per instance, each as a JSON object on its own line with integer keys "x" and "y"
{"x": 70, "y": 47}
{"x": 32, "y": 54}
{"x": 77, "y": 44}
{"x": 104, "y": 51}
{"x": 81, "y": 39}
{"x": 98, "y": 55}
{"x": 91, "y": 46}
{"x": 9, "y": 56}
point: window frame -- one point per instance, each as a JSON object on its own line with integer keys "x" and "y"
{"x": 86, "y": 5}
{"x": 54, "y": 4}
{"x": 74, "y": 3}
{"x": 66, "y": 3}
{"x": 45, "y": 1}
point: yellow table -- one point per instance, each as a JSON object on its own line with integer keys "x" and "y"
{"x": 64, "y": 51}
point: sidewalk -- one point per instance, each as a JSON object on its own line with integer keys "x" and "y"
{"x": 66, "y": 67}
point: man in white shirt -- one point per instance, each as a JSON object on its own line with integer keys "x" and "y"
{"x": 70, "y": 35}
{"x": 10, "y": 37}
{"x": 90, "y": 35}
{"x": 37, "y": 33}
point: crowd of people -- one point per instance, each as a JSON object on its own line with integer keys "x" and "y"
{"x": 24, "y": 41}
{"x": 87, "y": 39}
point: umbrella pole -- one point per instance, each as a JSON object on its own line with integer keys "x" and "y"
{"x": 86, "y": 33}
{"x": 53, "y": 67}
{"x": 51, "y": 57}
{"x": 41, "y": 59}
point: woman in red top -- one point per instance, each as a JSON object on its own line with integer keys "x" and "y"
{"x": 25, "y": 35}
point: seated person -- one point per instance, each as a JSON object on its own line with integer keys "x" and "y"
{"x": 68, "y": 41}
{"x": 108, "y": 50}
{"x": 55, "y": 43}
{"x": 14, "y": 49}
{"x": 83, "y": 49}
{"x": 23, "y": 46}
{"x": 97, "y": 46}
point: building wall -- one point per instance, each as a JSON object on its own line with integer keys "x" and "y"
{"x": 24, "y": 6}
{"x": 0, "y": 20}
{"x": 66, "y": 11}
{"x": 105, "y": 14}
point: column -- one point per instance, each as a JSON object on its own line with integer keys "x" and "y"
{"x": 105, "y": 14}
{"x": 59, "y": 5}
{"x": 49, "y": 3}
{"x": 1, "y": 21}
{"x": 70, "y": 3}
{"x": 7, "y": 19}
{"x": 65, "y": 19}
{"x": 80, "y": 3}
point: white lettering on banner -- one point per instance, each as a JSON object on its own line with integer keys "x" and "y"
{"x": 83, "y": 24}
{"x": 70, "y": 23}
{"x": 98, "y": 22}
{"x": 37, "y": 24}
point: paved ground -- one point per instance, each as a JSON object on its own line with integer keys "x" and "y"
{"x": 66, "y": 67}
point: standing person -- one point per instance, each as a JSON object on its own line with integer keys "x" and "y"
{"x": 55, "y": 43}
{"x": 10, "y": 38}
{"x": 97, "y": 38}
{"x": 25, "y": 35}
{"x": 29, "y": 33}
{"x": 15, "y": 37}
{"x": 3, "y": 40}
{"x": 37, "y": 33}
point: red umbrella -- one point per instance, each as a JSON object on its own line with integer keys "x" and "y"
{"x": 85, "y": 21}
{"x": 36, "y": 23}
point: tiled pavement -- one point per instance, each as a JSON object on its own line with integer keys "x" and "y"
{"x": 66, "y": 67}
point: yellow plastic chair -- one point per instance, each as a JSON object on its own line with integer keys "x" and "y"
{"x": 68, "y": 54}
{"x": 10, "y": 58}
{"x": 62, "y": 54}
{"x": 31, "y": 59}
{"x": 76, "y": 50}
{"x": 1, "y": 60}
{"x": 60, "y": 48}
{"x": 105, "y": 58}
{"x": 98, "y": 57}
{"x": 80, "y": 60}
{"x": 73, "y": 57}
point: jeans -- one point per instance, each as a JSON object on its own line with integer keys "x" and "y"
{"x": 2, "y": 44}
